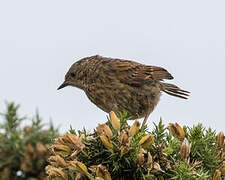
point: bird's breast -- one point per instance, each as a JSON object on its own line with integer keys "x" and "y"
{"x": 119, "y": 97}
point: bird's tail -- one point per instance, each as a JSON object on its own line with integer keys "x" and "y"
{"x": 174, "y": 90}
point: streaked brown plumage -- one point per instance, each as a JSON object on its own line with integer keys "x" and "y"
{"x": 117, "y": 85}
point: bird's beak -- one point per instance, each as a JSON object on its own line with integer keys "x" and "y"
{"x": 62, "y": 85}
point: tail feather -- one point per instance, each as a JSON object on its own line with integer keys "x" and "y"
{"x": 174, "y": 90}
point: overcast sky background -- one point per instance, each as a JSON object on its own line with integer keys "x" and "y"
{"x": 39, "y": 40}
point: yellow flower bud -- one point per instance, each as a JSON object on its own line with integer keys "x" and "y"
{"x": 99, "y": 172}
{"x": 80, "y": 167}
{"x": 123, "y": 138}
{"x": 61, "y": 150}
{"x": 177, "y": 131}
{"x": 73, "y": 141}
{"x": 185, "y": 149}
{"x": 30, "y": 150}
{"x": 79, "y": 176}
{"x": 222, "y": 169}
{"x": 26, "y": 163}
{"x": 107, "y": 131}
{"x": 114, "y": 121}
{"x": 74, "y": 153}
{"x": 106, "y": 142}
{"x": 57, "y": 161}
{"x": 157, "y": 167}
{"x": 100, "y": 129}
{"x": 217, "y": 175}
{"x": 99, "y": 178}
{"x": 102, "y": 172}
{"x": 55, "y": 172}
{"x": 149, "y": 163}
{"x": 41, "y": 149}
{"x": 124, "y": 142}
{"x": 134, "y": 128}
{"x": 140, "y": 158}
{"x": 220, "y": 139}
{"x": 147, "y": 141}
{"x": 124, "y": 149}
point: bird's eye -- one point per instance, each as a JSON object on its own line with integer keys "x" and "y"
{"x": 72, "y": 74}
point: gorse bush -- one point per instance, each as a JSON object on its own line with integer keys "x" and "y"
{"x": 23, "y": 150}
{"x": 118, "y": 151}
{"x": 115, "y": 150}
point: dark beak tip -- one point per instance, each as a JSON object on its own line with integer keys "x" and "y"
{"x": 62, "y": 86}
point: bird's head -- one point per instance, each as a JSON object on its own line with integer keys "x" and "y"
{"x": 76, "y": 76}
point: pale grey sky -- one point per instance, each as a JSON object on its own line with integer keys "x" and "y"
{"x": 39, "y": 40}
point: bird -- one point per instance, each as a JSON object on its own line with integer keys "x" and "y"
{"x": 119, "y": 85}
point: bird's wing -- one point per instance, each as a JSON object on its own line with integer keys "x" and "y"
{"x": 133, "y": 73}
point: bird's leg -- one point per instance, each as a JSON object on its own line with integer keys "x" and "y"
{"x": 145, "y": 119}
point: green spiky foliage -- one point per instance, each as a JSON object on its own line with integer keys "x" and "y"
{"x": 169, "y": 153}
{"x": 204, "y": 147}
{"x": 23, "y": 150}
